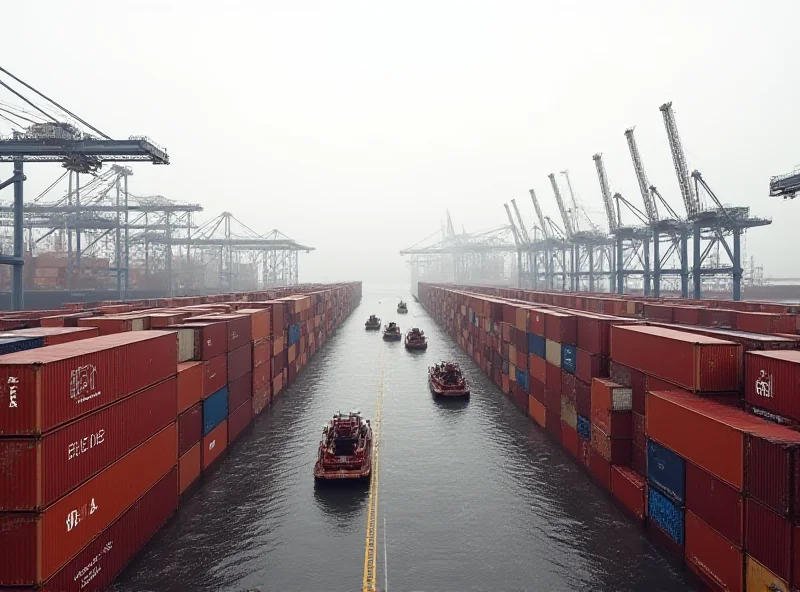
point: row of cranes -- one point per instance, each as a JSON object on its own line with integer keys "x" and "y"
{"x": 653, "y": 248}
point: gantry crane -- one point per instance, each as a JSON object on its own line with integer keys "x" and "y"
{"x": 518, "y": 241}
{"x": 785, "y": 186}
{"x": 550, "y": 244}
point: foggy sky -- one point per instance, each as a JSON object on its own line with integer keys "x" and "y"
{"x": 353, "y": 126}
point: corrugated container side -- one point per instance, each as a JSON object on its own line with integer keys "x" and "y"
{"x": 585, "y": 452}
{"x": 553, "y": 352}
{"x": 553, "y": 424}
{"x": 239, "y": 420}
{"x": 190, "y": 428}
{"x": 561, "y": 327}
{"x": 639, "y": 434}
{"x": 261, "y": 399}
{"x": 568, "y": 413}
{"x": 239, "y": 391}
{"x": 215, "y": 375}
{"x": 639, "y": 459}
{"x": 569, "y": 438}
{"x": 716, "y": 503}
{"x": 186, "y": 343}
{"x": 589, "y": 366}
{"x": 240, "y": 362}
{"x": 584, "y": 427}
{"x": 760, "y": 578}
{"x": 666, "y": 515}
{"x": 772, "y": 381}
{"x": 629, "y": 488}
{"x": 712, "y": 557}
{"x": 569, "y": 358}
{"x": 583, "y": 398}
{"x": 262, "y": 352}
{"x": 537, "y": 345}
{"x": 189, "y": 467}
{"x": 553, "y": 380}
{"x": 215, "y": 410}
{"x": 537, "y": 411}
{"x": 214, "y": 444}
{"x": 666, "y": 470}
{"x": 616, "y": 451}
{"x": 600, "y": 469}
{"x": 538, "y": 368}
{"x": 768, "y": 538}
{"x": 552, "y": 400}
{"x": 190, "y": 384}
{"x": 568, "y": 385}
{"x": 38, "y": 545}
{"x": 96, "y": 566}
{"x": 772, "y": 455}
{"x": 261, "y": 377}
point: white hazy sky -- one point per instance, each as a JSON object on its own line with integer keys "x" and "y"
{"x": 353, "y": 126}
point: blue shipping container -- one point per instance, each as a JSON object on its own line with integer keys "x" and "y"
{"x": 665, "y": 514}
{"x": 522, "y": 380}
{"x": 666, "y": 470}
{"x": 536, "y": 345}
{"x": 9, "y": 345}
{"x": 215, "y": 410}
{"x": 584, "y": 427}
{"x": 569, "y": 358}
{"x": 294, "y": 334}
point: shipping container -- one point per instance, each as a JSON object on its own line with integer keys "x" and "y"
{"x": 240, "y": 391}
{"x": 665, "y": 514}
{"x": 260, "y": 377}
{"x": 639, "y": 459}
{"x": 189, "y": 467}
{"x": 553, "y": 381}
{"x": 261, "y": 399}
{"x": 716, "y": 503}
{"x": 43, "y": 388}
{"x": 666, "y": 470}
{"x": 201, "y": 340}
{"x": 536, "y": 322}
{"x": 537, "y": 345}
{"x": 561, "y": 327}
{"x": 237, "y": 328}
{"x": 600, "y": 469}
{"x": 712, "y": 557}
{"x": 107, "y": 325}
{"x": 38, "y": 545}
{"x": 240, "y": 362}
{"x": 611, "y": 405}
{"x": 537, "y": 368}
{"x": 553, "y": 424}
{"x": 764, "y": 322}
{"x": 589, "y": 366}
{"x": 583, "y": 398}
{"x": 616, "y": 450}
{"x": 553, "y": 353}
{"x": 239, "y": 420}
{"x": 190, "y": 428}
{"x": 537, "y": 411}
{"x": 772, "y": 381}
{"x": 538, "y": 391}
{"x": 214, "y": 444}
{"x": 760, "y": 578}
{"x": 584, "y": 427}
{"x": 568, "y": 413}
{"x": 585, "y": 452}
{"x": 569, "y": 358}
{"x": 55, "y": 335}
{"x": 215, "y": 410}
{"x": 639, "y": 433}
{"x": 262, "y": 352}
{"x": 772, "y": 468}
{"x": 630, "y": 489}
{"x": 694, "y": 362}
{"x": 768, "y": 538}
{"x": 569, "y": 438}
{"x": 215, "y": 375}
{"x": 260, "y": 322}
{"x": 10, "y": 344}
{"x": 190, "y": 384}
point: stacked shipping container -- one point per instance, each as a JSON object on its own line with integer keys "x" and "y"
{"x": 99, "y": 435}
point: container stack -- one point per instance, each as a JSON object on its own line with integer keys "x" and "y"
{"x": 101, "y": 435}
{"x": 692, "y": 428}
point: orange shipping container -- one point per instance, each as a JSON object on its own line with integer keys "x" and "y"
{"x": 214, "y": 444}
{"x": 190, "y": 384}
{"x": 536, "y": 411}
{"x": 713, "y": 557}
{"x": 189, "y": 467}
{"x": 260, "y": 322}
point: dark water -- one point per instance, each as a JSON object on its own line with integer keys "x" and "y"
{"x": 474, "y": 496}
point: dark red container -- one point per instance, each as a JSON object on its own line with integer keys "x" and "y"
{"x": 189, "y": 467}
{"x": 292, "y": 371}
{"x": 190, "y": 428}
{"x": 552, "y": 401}
{"x": 261, "y": 399}
{"x": 639, "y": 459}
{"x": 216, "y": 375}
{"x": 210, "y": 338}
{"x": 600, "y": 468}
{"x": 716, "y": 317}
{"x": 239, "y": 420}
{"x": 107, "y": 325}
{"x": 638, "y": 427}
{"x": 214, "y": 444}
{"x": 711, "y": 556}
{"x": 190, "y": 384}
{"x": 519, "y": 397}
{"x": 772, "y": 468}
{"x": 38, "y": 545}
{"x": 262, "y": 352}
{"x": 765, "y": 322}
{"x": 629, "y": 488}
{"x": 553, "y": 423}
{"x": 716, "y": 503}
{"x": 569, "y": 438}
{"x": 620, "y": 374}
{"x": 261, "y": 377}
{"x": 584, "y": 452}
{"x": 553, "y": 382}
{"x": 583, "y": 398}
{"x": 96, "y": 566}
{"x": 695, "y": 362}
{"x": 43, "y": 388}
{"x": 239, "y": 362}
{"x": 658, "y": 312}
{"x": 278, "y": 363}
{"x": 561, "y": 327}
{"x": 768, "y": 538}
{"x": 538, "y": 391}
{"x": 687, "y": 315}
{"x": 772, "y": 381}
{"x": 238, "y": 329}
{"x": 638, "y": 389}
{"x": 616, "y": 450}
{"x": 36, "y": 472}
{"x": 568, "y": 385}
{"x": 590, "y": 365}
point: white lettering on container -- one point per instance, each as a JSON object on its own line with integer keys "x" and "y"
{"x": 89, "y": 571}
{"x": 13, "y": 381}
{"x": 234, "y": 335}
{"x": 764, "y": 385}
{"x": 76, "y": 516}
{"x": 212, "y": 444}
{"x": 82, "y": 383}
{"x": 86, "y": 443}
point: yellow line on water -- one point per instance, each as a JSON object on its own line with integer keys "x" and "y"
{"x": 371, "y": 547}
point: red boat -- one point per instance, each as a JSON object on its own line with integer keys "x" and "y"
{"x": 446, "y": 379}
{"x": 415, "y": 339}
{"x": 345, "y": 451}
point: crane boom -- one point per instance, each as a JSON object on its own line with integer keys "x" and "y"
{"x": 608, "y": 201}
{"x": 522, "y": 230}
{"x": 690, "y": 199}
{"x": 644, "y": 185}
{"x": 450, "y": 230}
{"x": 539, "y": 215}
{"x": 513, "y": 226}
{"x": 573, "y": 199}
{"x": 561, "y": 208}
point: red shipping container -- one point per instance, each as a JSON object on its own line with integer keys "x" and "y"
{"x": 538, "y": 391}
{"x": 589, "y": 365}
{"x": 561, "y": 327}
{"x": 718, "y": 504}
{"x": 190, "y": 428}
{"x": 772, "y": 381}
{"x": 772, "y": 468}
{"x": 96, "y": 566}
{"x": 712, "y": 557}
{"x": 687, "y": 315}
{"x": 277, "y": 386}
{"x": 522, "y": 361}
{"x": 239, "y": 420}
{"x": 704, "y": 432}
{"x": 620, "y": 374}
{"x": 611, "y": 404}
{"x": 796, "y": 556}
{"x": 216, "y": 375}
{"x": 214, "y": 444}
{"x": 600, "y": 468}
{"x": 210, "y": 338}
{"x": 568, "y": 385}
{"x": 616, "y": 450}
{"x": 695, "y": 362}
{"x": 584, "y": 452}
{"x": 55, "y": 335}
{"x": 536, "y": 319}
{"x": 36, "y": 472}
{"x": 638, "y": 428}
{"x": 262, "y": 352}
{"x": 43, "y": 388}
{"x": 190, "y": 384}
{"x": 261, "y": 377}
{"x": 260, "y": 322}
{"x": 38, "y": 545}
{"x": 552, "y": 400}
{"x": 629, "y": 488}
{"x": 768, "y": 538}
{"x": 189, "y": 467}
{"x": 553, "y": 423}
{"x": 239, "y": 362}
{"x": 583, "y": 398}
{"x": 553, "y": 379}
{"x": 639, "y": 459}
{"x": 237, "y": 326}
{"x": 658, "y": 312}
{"x": 538, "y": 368}
{"x": 107, "y": 325}
{"x": 716, "y": 317}
{"x": 261, "y": 399}
{"x": 638, "y": 389}
{"x": 569, "y": 438}
{"x": 765, "y": 322}
{"x": 164, "y": 320}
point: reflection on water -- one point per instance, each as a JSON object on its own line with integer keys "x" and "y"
{"x": 340, "y": 500}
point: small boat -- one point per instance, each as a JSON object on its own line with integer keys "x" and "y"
{"x": 392, "y": 332}
{"x": 415, "y": 339}
{"x": 345, "y": 451}
{"x": 373, "y": 323}
{"x": 446, "y": 379}
{"x": 402, "y": 308}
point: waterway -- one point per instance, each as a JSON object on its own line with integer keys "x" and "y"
{"x": 472, "y": 496}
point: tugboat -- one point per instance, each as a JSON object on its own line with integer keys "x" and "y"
{"x": 345, "y": 451}
{"x": 373, "y": 323}
{"x": 447, "y": 380}
{"x": 415, "y": 339}
{"x": 402, "y": 308}
{"x": 392, "y": 332}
